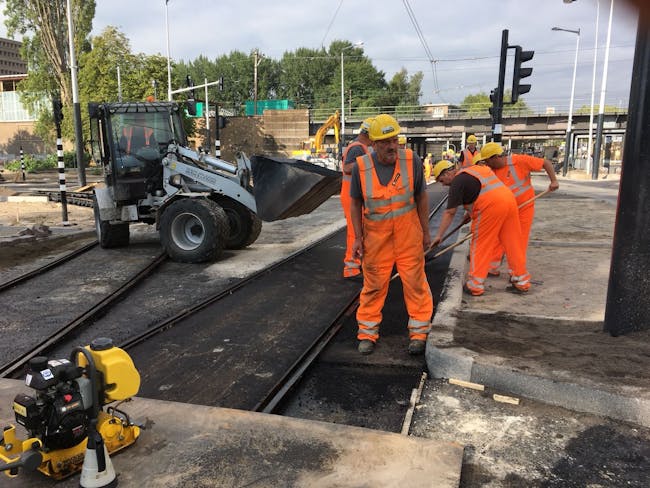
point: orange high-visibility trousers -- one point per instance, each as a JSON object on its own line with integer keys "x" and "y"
{"x": 526, "y": 215}
{"x": 351, "y": 265}
{"x": 496, "y": 220}
{"x": 397, "y": 241}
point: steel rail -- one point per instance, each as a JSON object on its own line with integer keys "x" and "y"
{"x": 39, "y": 271}
{"x": 296, "y": 371}
{"x": 189, "y": 311}
{"x": 82, "y": 319}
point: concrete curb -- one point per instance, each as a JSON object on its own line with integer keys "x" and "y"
{"x": 447, "y": 361}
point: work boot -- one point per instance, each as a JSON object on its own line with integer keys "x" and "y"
{"x": 416, "y": 347}
{"x": 517, "y": 290}
{"x": 366, "y": 346}
{"x": 357, "y": 278}
{"x": 470, "y": 292}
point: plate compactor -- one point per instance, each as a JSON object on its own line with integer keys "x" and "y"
{"x": 69, "y": 430}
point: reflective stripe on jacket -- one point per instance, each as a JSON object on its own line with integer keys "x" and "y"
{"x": 390, "y": 201}
{"x": 488, "y": 180}
{"x": 348, "y": 176}
{"x": 468, "y": 158}
{"x": 128, "y": 133}
{"x": 518, "y": 180}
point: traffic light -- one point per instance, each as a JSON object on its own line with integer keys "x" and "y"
{"x": 57, "y": 110}
{"x": 493, "y": 98}
{"x": 191, "y": 100}
{"x": 521, "y": 56}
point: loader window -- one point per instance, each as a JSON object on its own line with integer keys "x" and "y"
{"x": 141, "y": 140}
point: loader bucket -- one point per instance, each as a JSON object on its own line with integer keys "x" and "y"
{"x": 286, "y": 188}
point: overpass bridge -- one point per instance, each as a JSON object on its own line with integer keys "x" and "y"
{"x": 427, "y": 132}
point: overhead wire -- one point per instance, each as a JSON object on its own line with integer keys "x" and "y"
{"x": 327, "y": 31}
{"x": 423, "y": 41}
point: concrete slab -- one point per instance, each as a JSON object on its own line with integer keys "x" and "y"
{"x": 191, "y": 445}
{"x": 548, "y": 345}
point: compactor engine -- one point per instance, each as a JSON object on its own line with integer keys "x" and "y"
{"x": 68, "y": 395}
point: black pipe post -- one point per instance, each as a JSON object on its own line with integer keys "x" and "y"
{"x": 58, "y": 117}
{"x": 497, "y": 104}
{"x": 22, "y": 162}
{"x": 628, "y": 292}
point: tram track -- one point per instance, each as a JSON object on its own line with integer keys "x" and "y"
{"x": 256, "y": 343}
{"x": 84, "y": 318}
{"x": 47, "y": 267}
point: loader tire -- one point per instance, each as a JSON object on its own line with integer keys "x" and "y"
{"x": 110, "y": 235}
{"x": 244, "y": 225}
{"x": 193, "y": 230}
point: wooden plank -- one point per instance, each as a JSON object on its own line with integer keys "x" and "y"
{"x": 467, "y": 384}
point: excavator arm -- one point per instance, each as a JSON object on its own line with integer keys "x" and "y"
{"x": 333, "y": 121}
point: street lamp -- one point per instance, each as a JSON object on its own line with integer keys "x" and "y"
{"x": 342, "y": 142}
{"x": 169, "y": 66}
{"x": 601, "y": 111}
{"x": 568, "y": 145}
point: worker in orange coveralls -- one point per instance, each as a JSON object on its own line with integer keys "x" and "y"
{"x": 493, "y": 211}
{"x": 468, "y": 154}
{"x": 514, "y": 171}
{"x": 358, "y": 147}
{"x": 388, "y": 187}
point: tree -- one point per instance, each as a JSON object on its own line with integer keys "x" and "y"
{"x": 479, "y": 104}
{"x": 476, "y": 104}
{"x": 44, "y": 27}
{"x": 608, "y": 109}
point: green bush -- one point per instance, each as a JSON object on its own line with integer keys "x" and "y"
{"x": 49, "y": 162}
{"x": 33, "y": 164}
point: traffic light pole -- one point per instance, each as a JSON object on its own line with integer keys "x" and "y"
{"x": 497, "y": 102}
{"x": 628, "y": 291}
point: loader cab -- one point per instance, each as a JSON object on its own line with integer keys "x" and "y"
{"x": 130, "y": 141}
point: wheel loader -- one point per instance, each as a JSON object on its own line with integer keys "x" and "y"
{"x": 200, "y": 204}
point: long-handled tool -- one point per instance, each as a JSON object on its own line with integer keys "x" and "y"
{"x": 449, "y": 248}
{"x": 530, "y": 200}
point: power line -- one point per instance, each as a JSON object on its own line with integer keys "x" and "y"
{"x": 423, "y": 41}
{"x": 322, "y": 43}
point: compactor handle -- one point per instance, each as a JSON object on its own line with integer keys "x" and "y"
{"x": 29, "y": 461}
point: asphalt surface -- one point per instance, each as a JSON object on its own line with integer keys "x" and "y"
{"x": 576, "y": 405}
{"x": 573, "y": 409}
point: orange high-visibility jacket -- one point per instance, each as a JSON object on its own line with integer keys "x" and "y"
{"x": 351, "y": 265}
{"x": 128, "y": 134}
{"x": 387, "y": 202}
{"x": 468, "y": 158}
{"x": 392, "y": 236}
{"x": 516, "y": 175}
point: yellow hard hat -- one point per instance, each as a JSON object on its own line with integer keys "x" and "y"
{"x": 401, "y": 139}
{"x": 382, "y": 127}
{"x": 441, "y": 166}
{"x": 365, "y": 125}
{"x": 490, "y": 149}
{"x": 472, "y": 139}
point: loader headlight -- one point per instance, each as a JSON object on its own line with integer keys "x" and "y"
{"x": 176, "y": 180}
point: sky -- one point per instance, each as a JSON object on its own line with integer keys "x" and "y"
{"x": 462, "y": 36}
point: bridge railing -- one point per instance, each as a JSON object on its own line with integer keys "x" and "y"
{"x": 428, "y": 112}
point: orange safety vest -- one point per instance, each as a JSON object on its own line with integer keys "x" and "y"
{"x": 468, "y": 158}
{"x": 348, "y": 176}
{"x": 390, "y": 201}
{"x": 517, "y": 178}
{"x": 489, "y": 182}
{"x": 392, "y": 236}
{"x": 128, "y": 133}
